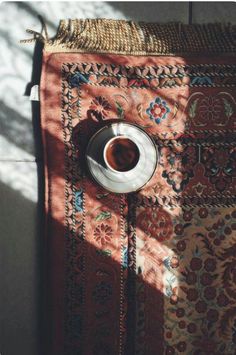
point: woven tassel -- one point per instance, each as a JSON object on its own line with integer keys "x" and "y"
{"x": 40, "y": 36}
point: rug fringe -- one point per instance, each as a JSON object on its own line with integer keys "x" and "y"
{"x": 128, "y": 37}
{"x": 41, "y": 36}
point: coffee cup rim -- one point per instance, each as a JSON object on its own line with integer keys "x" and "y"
{"x": 105, "y": 149}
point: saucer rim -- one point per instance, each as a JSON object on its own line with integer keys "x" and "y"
{"x": 139, "y": 128}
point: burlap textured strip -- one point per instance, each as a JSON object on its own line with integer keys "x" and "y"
{"x": 128, "y": 37}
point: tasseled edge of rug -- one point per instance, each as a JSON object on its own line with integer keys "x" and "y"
{"x": 128, "y": 37}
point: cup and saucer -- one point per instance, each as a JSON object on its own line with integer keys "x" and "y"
{"x": 121, "y": 157}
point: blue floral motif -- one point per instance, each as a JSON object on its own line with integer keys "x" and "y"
{"x": 79, "y": 201}
{"x": 158, "y": 110}
{"x": 78, "y": 79}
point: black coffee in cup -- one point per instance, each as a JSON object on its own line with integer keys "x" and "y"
{"x": 121, "y": 154}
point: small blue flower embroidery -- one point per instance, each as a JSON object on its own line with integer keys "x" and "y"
{"x": 79, "y": 201}
{"x": 158, "y": 110}
{"x": 78, "y": 78}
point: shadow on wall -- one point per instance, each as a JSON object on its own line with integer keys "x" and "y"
{"x": 22, "y": 238}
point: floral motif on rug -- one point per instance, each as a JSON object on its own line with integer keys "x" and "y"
{"x": 152, "y": 272}
{"x": 184, "y": 253}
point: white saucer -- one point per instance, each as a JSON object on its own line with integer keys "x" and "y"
{"x": 122, "y": 182}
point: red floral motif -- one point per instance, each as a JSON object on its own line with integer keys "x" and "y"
{"x": 181, "y": 245}
{"x": 99, "y": 108}
{"x": 179, "y": 228}
{"x": 156, "y": 223}
{"x": 181, "y": 346}
{"x": 191, "y": 328}
{"x": 210, "y": 108}
{"x": 219, "y": 166}
{"x": 174, "y": 262}
{"x": 187, "y": 216}
{"x": 168, "y": 335}
{"x": 206, "y": 279}
{"x": 192, "y": 294}
{"x": 103, "y": 234}
{"x": 196, "y": 263}
{"x": 212, "y": 315}
{"x": 203, "y": 213}
{"x": 170, "y": 350}
{"x": 158, "y": 110}
{"x": 174, "y": 297}
{"x": 209, "y": 293}
{"x": 201, "y": 306}
{"x": 222, "y": 300}
{"x": 180, "y": 312}
{"x": 210, "y": 264}
{"x": 207, "y": 271}
{"x": 191, "y": 278}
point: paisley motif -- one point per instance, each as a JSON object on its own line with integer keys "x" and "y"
{"x": 211, "y": 110}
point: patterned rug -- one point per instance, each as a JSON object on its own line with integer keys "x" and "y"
{"x": 153, "y": 272}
